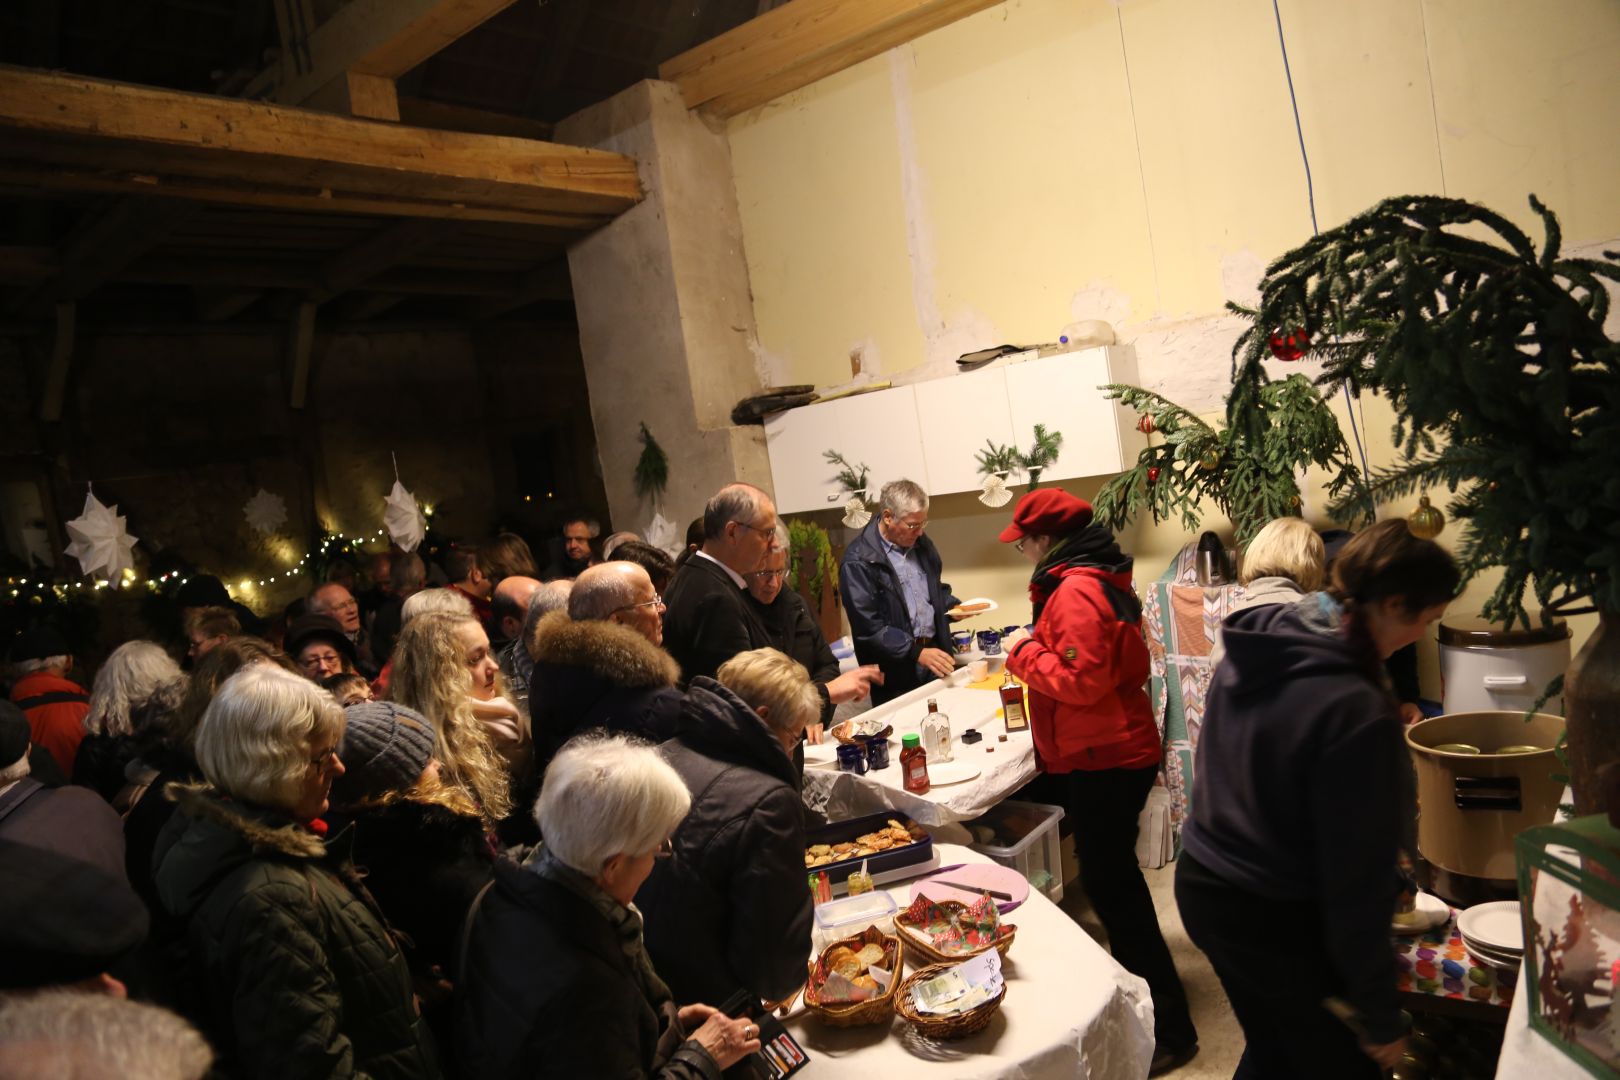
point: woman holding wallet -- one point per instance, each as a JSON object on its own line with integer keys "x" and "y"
{"x": 1086, "y": 666}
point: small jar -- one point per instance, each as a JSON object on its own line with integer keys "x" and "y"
{"x": 877, "y": 753}
{"x": 852, "y": 758}
{"x": 914, "y": 764}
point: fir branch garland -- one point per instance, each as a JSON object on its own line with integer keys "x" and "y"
{"x": 851, "y": 478}
{"x": 652, "y": 467}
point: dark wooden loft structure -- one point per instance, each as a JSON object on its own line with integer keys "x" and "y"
{"x": 274, "y": 165}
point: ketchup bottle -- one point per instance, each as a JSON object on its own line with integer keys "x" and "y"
{"x": 914, "y": 764}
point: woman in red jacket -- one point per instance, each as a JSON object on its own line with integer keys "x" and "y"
{"x": 1086, "y": 666}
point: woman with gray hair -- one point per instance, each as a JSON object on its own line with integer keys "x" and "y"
{"x": 593, "y": 1006}
{"x": 289, "y": 969}
{"x": 135, "y": 691}
{"x": 729, "y": 910}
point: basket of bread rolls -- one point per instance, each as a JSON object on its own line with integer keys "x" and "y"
{"x": 852, "y": 982}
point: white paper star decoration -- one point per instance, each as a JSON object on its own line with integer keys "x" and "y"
{"x": 994, "y": 491}
{"x": 403, "y": 518}
{"x": 660, "y": 533}
{"x": 856, "y": 515}
{"x": 99, "y": 541}
{"x": 265, "y": 512}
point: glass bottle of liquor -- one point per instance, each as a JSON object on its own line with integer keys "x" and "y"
{"x": 1012, "y": 704}
{"x": 936, "y": 733}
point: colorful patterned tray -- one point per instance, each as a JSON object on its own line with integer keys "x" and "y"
{"x": 1437, "y": 964}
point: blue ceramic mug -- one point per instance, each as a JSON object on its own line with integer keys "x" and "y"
{"x": 852, "y": 758}
{"x": 990, "y": 642}
{"x": 962, "y": 640}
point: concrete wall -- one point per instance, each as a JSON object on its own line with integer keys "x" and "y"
{"x": 665, "y": 314}
{"x": 1136, "y": 160}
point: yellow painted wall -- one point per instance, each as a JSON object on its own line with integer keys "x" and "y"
{"x": 1052, "y": 160}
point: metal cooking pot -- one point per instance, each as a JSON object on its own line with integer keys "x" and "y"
{"x": 1471, "y": 806}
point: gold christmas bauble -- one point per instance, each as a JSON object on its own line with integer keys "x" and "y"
{"x": 1425, "y": 522}
{"x": 1211, "y": 458}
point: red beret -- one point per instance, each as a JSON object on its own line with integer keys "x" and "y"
{"x": 1047, "y": 512}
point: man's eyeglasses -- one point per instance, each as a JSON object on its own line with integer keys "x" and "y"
{"x": 908, "y": 526}
{"x": 767, "y": 575}
{"x": 769, "y": 534}
{"x": 657, "y": 601}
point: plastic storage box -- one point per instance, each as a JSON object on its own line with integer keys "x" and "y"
{"x": 1025, "y": 837}
{"x": 839, "y": 919}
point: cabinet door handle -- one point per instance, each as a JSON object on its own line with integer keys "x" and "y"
{"x": 1505, "y": 682}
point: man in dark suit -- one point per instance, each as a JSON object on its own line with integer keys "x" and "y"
{"x": 709, "y": 619}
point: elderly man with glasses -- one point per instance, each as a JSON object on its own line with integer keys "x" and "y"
{"x": 598, "y": 665}
{"x": 895, "y": 601}
{"x": 710, "y": 619}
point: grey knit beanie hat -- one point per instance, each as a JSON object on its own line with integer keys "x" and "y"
{"x": 385, "y": 748}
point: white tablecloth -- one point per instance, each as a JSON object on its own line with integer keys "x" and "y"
{"x": 1070, "y": 1011}
{"x": 1004, "y": 766}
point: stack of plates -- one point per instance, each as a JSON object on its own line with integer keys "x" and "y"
{"x": 1494, "y": 934}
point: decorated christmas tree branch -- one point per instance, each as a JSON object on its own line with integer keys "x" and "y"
{"x": 1485, "y": 347}
{"x": 1248, "y": 475}
{"x": 1004, "y": 460}
{"x": 652, "y": 467}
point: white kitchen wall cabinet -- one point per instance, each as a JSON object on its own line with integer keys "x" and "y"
{"x": 931, "y": 431}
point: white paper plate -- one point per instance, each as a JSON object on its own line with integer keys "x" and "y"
{"x": 977, "y": 600}
{"x": 1495, "y": 925}
{"x": 1434, "y": 911}
{"x": 944, "y": 773}
{"x": 1506, "y": 956}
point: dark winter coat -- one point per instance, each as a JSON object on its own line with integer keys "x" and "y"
{"x": 794, "y": 630}
{"x": 549, "y": 992}
{"x": 423, "y": 864}
{"x": 1086, "y": 669}
{"x": 1304, "y": 786}
{"x": 707, "y": 619}
{"x": 598, "y": 674}
{"x": 879, "y": 621}
{"x": 100, "y": 762}
{"x": 729, "y": 909}
{"x": 293, "y": 970}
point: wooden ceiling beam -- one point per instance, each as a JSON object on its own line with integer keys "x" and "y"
{"x": 173, "y": 142}
{"x": 306, "y": 279}
{"x": 104, "y": 243}
{"x": 374, "y": 40}
{"x": 443, "y": 116}
{"x": 22, "y": 264}
{"x": 799, "y": 43}
{"x": 549, "y": 281}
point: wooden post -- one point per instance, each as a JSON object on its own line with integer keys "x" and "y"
{"x": 56, "y": 372}
{"x": 300, "y": 340}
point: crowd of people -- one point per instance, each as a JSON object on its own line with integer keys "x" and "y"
{"x": 527, "y": 823}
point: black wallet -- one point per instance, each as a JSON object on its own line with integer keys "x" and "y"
{"x": 779, "y": 1053}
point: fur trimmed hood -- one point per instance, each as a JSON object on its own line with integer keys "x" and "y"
{"x": 212, "y": 836}
{"x": 612, "y": 653}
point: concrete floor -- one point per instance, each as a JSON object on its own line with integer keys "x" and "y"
{"x": 1220, "y": 1039}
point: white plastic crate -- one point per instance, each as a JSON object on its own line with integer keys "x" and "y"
{"x": 1026, "y": 839}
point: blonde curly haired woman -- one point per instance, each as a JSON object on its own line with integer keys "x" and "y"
{"x": 443, "y": 669}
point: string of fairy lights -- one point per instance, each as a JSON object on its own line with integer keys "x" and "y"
{"x": 26, "y": 587}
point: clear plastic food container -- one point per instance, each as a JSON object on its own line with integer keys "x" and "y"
{"x": 839, "y": 919}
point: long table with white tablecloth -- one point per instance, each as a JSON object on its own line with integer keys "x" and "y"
{"x": 1070, "y": 1011}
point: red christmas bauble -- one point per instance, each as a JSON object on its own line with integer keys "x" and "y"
{"x": 1145, "y": 425}
{"x": 1289, "y": 346}
{"x": 1153, "y": 475}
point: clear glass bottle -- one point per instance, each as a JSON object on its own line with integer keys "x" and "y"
{"x": 936, "y": 733}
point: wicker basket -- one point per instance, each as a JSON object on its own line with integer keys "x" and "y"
{"x": 877, "y": 1010}
{"x": 959, "y": 1026}
{"x": 931, "y": 955}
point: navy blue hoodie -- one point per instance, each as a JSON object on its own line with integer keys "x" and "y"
{"x": 1304, "y": 788}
